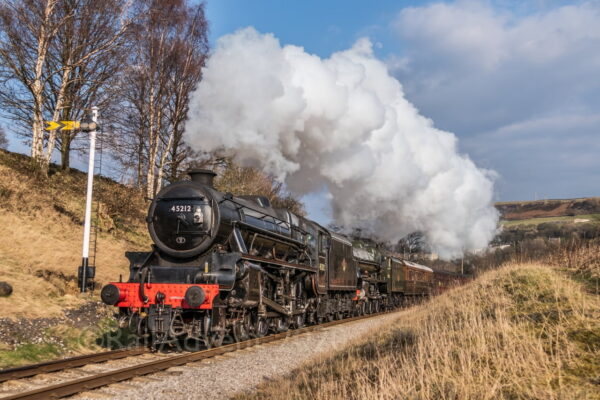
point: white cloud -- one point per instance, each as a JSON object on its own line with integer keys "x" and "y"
{"x": 474, "y": 34}
{"x": 508, "y": 84}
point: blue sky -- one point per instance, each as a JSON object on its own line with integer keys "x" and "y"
{"x": 518, "y": 82}
{"x": 321, "y": 27}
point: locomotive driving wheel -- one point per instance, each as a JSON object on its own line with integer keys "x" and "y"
{"x": 281, "y": 324}
{"x": 299, "y": 320}
{"x": 241, "y": 329}
{"x": 215, "y": 339}
{"x": 260, "y": 327}
{"x": 357, "y": 309}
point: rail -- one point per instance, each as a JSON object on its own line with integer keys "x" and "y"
{"x": 106, "y": 378}
{"x": 73, "y": 362}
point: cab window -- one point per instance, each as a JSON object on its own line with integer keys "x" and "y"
{"x": 323, "y": 244}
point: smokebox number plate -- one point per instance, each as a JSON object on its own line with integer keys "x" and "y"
{"x": 181, "y": 208}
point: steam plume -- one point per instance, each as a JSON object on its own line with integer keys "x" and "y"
{"x": 342, "y": 123}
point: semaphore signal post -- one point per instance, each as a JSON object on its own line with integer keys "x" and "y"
{"x": 86, "y": 272}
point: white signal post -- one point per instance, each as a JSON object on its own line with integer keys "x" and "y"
{"x": 88, "y": 205}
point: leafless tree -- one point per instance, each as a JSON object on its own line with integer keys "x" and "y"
{"x": 53, "y": 56}
{"x": 170, "y": 47}
{"x": 411, "y": 244}
{"x": 84, "y": 63}
{"x": 186, "y": 74}
{"x": 27, "y": 28}
{"x": 251, "y": 181}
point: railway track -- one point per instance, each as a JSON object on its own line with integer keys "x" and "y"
{"x": 98, "y": 380}
{"x": 74, "y": 362}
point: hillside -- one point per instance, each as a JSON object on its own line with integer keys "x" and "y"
{"x": 524, "y": 210}
{"x": 566, "y": 220}
{"x": 525, "y": 331}
{"x": 42, "y": 220}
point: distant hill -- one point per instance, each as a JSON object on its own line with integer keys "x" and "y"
{"x": 522, "y": 210}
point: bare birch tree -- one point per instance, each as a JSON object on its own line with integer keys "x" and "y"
{"x": 27, "y": 28}
{"x": 56, "y": 57}
{"x": 165, "y": 65}
{"x": 189, "y": 56}
{"x": 86, "y": 59}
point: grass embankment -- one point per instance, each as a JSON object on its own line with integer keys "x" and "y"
{"x": 42, "y": 225}
{"x": 40, "y": 249}
{"x": 523, "y": 331}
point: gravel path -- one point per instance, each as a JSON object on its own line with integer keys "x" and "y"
{"x": 223, "y": 376}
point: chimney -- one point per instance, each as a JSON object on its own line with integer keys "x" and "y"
{"x": 202, "y": 176}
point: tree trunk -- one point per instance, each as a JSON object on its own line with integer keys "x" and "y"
{"x": 66, "y": 76}
{"x": 150, "y": 179}
{"x": 65, "y": 151}
{"x": 140, "y": 157}
{"x": 174, "y": 165}
{"x": 37, "y": 86}
{"x": 163, "y": 159}
{"x": 152, "y": 143}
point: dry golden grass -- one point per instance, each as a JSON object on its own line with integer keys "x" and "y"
{"x": 521, "y": 332}
{"x": 581, "y": 258}
{"x": 39, "y": 258}
{"x": 41, "y": 239}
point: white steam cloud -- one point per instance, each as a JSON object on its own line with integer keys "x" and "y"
{"x": 342, "y": 123}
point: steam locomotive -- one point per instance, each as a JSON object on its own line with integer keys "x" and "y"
{"x": 234, "y": 266}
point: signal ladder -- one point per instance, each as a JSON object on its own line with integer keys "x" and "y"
{"x": 95, "y": 227}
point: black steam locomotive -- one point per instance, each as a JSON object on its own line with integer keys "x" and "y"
{"x": 233, "y": 266}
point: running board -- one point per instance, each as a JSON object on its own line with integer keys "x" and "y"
{"x": 278, "y": 262}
